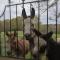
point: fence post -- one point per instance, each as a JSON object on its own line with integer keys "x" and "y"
{"x": 0, "y": 43}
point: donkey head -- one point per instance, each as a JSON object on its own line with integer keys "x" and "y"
{"x": 11, "y": 36}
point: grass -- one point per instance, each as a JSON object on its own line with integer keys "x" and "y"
{"x": 58, "y": 35}
{"x": 20, "y": 36}
{"x": 54, "y": 36}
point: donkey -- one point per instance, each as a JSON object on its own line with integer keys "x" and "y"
{"x": 52, "y": 47}
{"x": 33, "y": 40}
{"x": 29, "y": 23}
{"x": 19, "y": 47}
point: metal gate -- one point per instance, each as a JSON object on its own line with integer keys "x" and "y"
{"x": 13, "y": 24}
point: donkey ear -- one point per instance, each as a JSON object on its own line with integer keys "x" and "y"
{"x": 38, "y": 33}
{"x": 32, "y": 12}
{"x": 49, "y": 34}
{"x": 24, "y": 13}
{"x": 15, "y": 33}
{"x": 7, "y": 33}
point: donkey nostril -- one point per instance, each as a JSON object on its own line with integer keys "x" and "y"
{"x": 8, "y": 52}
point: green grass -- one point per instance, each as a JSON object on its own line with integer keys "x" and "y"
{"x": 54, "y": 36}
{"x": 58, "y": 35}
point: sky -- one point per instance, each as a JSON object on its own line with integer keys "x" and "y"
{"x": 43, "y": 17}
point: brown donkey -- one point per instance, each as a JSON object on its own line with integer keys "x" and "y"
{"x": 19, "y": 47}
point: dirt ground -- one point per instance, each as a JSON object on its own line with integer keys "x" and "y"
{"x": 6, "y": 58}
